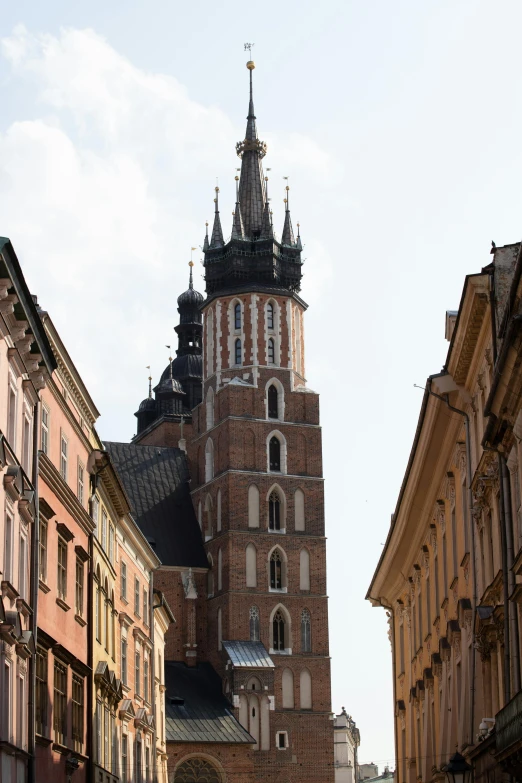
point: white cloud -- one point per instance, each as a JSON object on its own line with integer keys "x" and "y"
{"x": 101, "y": 197}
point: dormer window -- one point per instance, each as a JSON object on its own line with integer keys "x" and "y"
{"x": 270, "y": 316}
{"x": 237, "y": 316}
{"x": 237, "y": 350}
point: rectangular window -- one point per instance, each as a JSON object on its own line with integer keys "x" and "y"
{"x": 106, "y": 759}
{"x": 81, "y": 480}
{"x": 147, "y": 764}
{"x": 41, "y": 691}
{"x": 77, "y": 711}
{"x": 8, "y": 547}
{"x": 139, "y": 762}
{"x": 146, "y": 679}
{"x": 145, "y": 606}
{"x": 95, "y": 513}
{"x": 21, "y": 714}
{"x": 137, "y": 672}
{"x": 62, "y": 569}
{"x": 22, "y": 567}
{"x": 79, "y": 586}
{"x": 7, "y": 700}
{"x": 437, "y": 589}
{"x": 11, "y": 421}
{"x": 445, "y": 565}
{"x": 421, "y": 636}
{"x": 428, "y": 605}
{"x": 26, "y": 448}
{"x": 124, "y": 661}
{"x": 401, "y": 647}
{"x": 454, "y": 543}
{"x": 137, "y": 597}
{"x": 104, "y": 530}
{"x": 99, "y": 746}
{"x": 124, "y": 758}
{"x": 44, "y": 435}
{"x": 124, "y": 581}
{"x": 111, "y": 543}
{"x": 63, "y": 457}
{"x": 60, "y": 703}
{"x": 42, "y": 549}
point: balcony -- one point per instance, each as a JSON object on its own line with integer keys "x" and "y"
{"x": 508, "y": 728}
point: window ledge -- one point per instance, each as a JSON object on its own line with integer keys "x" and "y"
{"x": 287, "y": 651}
{"x": 43, "y": 587}
{"x": 63, "y": 749}
{"x": 42, "y": 740}
{"x": 278, "y": 589}
{"x": 280, "y": 532}
{"x": 79, "y": 619}
{"x": 124, "y": 600}
{"x": 61, "y": 603}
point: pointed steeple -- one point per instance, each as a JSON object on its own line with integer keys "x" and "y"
{"x": 150, "y": 387}
{"x": 252, "y": 196}
{"x": 298, "y": 243}
{"x": 238, "y": 231}
{"x": 217, "y": 234}
{"x": 266, "y": 228}
{"x": 205, "y": 241}
{"x": 288, "y": 232}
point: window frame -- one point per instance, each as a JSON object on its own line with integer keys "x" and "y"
{"x": 64, "y": 456}
{"x": 45, "y": 429}
{"x": 238, "y": 352}
{"x": 123, "y": 580}
{"x": 136, "y": 596}
{"x": 81, "y": 482}
{"x": 41, "y": 692}
{"x": 61, "y": 582}
{"x": 78, "y": 708}
{"x": 79, "y": 586}
{"x": 43, "y": 531}
{"x": 60, "y": 702}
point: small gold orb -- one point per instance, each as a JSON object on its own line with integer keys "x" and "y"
{"x": 251, "y": 65}
{"x": 236, "y": 178}
{"x": 191, "y": 263}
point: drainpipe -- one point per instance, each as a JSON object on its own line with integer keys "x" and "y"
{"x": 474, "y": 599}
{"x": 90, "y": 653}
{"x": 505, "y": 587}
{"x": 510, "y": 581}
{"x": 35, "y": 542}
{"x": 152, "y": 683}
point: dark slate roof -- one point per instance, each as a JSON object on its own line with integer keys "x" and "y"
{"x": 155, "y": 480}
{"x": 196, "y": 709}
{"x": 250, "y": 654}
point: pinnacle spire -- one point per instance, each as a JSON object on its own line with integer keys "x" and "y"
{"x": 205, "y": 241}
{"x": 217, "y": 233}
{"x": 266, "y": 228}
{"x": 238, "y": 230}
{"x": 191, "y": 284}
{"x": 252, "y": 196}
{"x": 288, "y": 232}
{"x": 150, "y": 387}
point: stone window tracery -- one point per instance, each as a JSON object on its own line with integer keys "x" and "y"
{"x": 276, "y": 570}
{"x": 197, "y": 771}
{"x": 306, "y": 631}
{"x": 274, "y": 512}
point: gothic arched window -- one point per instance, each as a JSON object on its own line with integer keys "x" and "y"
{"x": 196, "y": 771}
{"x": 306, "y": 631}
{"x": 274, "y": 453}
{"x": 271, "y": 351}
{"x": 237, "y": 352}
{"x": 274, "y": 511}
{"x": 276, "y": 570}
{"x": 273, "y": 408}
{"x": 270, "y": 315}
{"x": 278, "y": 631}
{"x": 237, "y": 316}
{"x": 254, "y": 624}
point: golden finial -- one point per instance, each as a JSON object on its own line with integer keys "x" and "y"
{"x": 206, "y": 223}
{"x": 266, "y": 179}
{"x": 214, "y": 203}
{"x": 191, "y": 263}
{"x": 251, "y": 65}
{"x": 285, "y": 200}
{"x": 287, "y": 187}
{"x": 236, "y": 178}
{"x": 216, "y": 189}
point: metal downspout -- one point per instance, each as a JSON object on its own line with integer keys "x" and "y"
{"x": 153, "y": 678}
{"x": 35, "y": 542}
{"x": 510, "y": 556}
{"x": 445, "y": 400}
{"x": 90, "y": 658}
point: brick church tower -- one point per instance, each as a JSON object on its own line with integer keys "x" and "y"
{"x": 257, "y": 485}
{"x": 225, "y": 481}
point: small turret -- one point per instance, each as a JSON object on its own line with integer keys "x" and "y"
{"x": 216, "y": 239}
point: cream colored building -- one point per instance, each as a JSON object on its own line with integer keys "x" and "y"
{"x": 346, "y": 742}
{"x": 448, "y": 574}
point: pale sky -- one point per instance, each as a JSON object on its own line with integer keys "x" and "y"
{"x": 399, "y": 125}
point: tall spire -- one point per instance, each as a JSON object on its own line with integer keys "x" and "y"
{"x": 288, "y": 232}
{"x": 205, "y": 241}
{"x": 252, "y": 195}
{"x": 217, "y": 234}
{"x": 266, "y": 228}
{"x": 191, "y": 284}
{"x": 238, "y": 231}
